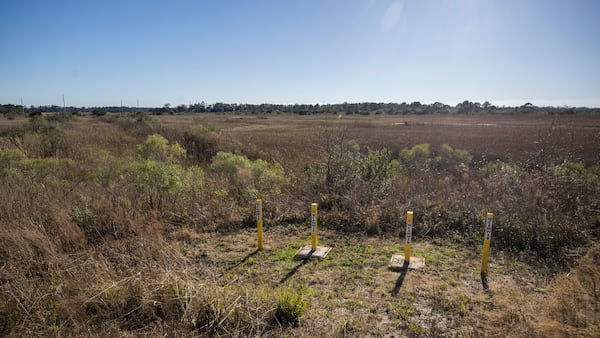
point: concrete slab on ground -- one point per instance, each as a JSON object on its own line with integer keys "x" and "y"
{"x": 397, "y": 263}
{"x": 306, "y": 252}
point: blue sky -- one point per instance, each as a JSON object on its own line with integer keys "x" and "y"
{"x": 98, "y": 53}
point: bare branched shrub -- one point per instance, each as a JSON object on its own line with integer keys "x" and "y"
{"x": 45, "y": 138}
{"x": 543, "y": 211}
{"x": 201, "y": 144}
{"x": 140, "y": 125}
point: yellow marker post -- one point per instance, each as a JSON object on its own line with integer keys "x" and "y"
{"x": 313, "y": 222}
{"x": 486, "y": 244}
{"x": 259, "y": 223}
{"x": 409, "y": 223}
{"x": 313, "y": 251}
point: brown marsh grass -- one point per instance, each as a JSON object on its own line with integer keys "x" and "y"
{"x": 86, "y": 252}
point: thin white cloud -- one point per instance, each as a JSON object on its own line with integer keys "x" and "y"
{"x": 392, "y": 16}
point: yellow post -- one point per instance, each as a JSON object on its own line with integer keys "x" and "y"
{"x": 259, "y": 223}
{"x": 409, "y": 223}
{"x": 486, "y": 244}
{"x": 313, "y": 222}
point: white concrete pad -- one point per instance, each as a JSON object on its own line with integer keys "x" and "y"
{"x": 306, "y": 252}
{"x": 397, "y": 263}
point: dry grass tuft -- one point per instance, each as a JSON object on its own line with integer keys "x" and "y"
{"x": 573, "y": 304}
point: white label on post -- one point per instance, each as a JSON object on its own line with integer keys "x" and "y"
{"x": 257, "y": 212}
{"x": 488, "y": 229}
{"x": 313, "y": 221}
{"x": 408, "y": 233}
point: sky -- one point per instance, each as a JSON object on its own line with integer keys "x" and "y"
{"x": 150, "y": 53}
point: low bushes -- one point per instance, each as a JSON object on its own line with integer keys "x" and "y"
{"x": 72, "y": 214}
{"x": 248, "y": 179}
{"x": 547, "y": 212}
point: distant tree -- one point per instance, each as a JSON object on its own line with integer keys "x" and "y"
{"x": 181, "y": 108}
{"x": 527, "y": 108}
{"x": 439, "y": 108}
{"x": 467, "y": 107}
{"x": 166, "y": 108}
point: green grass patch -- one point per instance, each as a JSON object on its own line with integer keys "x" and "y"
{"x": 435, "y": 256}
{"x": 285, "y": 253}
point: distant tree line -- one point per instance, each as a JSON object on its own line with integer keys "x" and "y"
{"x": 364, "y": 108}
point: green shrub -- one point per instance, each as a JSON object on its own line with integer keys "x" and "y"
{"x": 229, "y": 164}
{"x": 290, "y": 305}
{"x": 268, "y": 175}
{"x": 8, "y": 161}
{"x": 156, "y": 174}
{"x": 415, "y": 159}
{"x": 462, "y": 156}
{"x": 451, "y": 159}
{"x": 492, "y": 168}
{"x": 157, "y": 148}
{"x": 248, "y": 179}
{"x": 348, "y": 170}
{"x": 104, "y": 168}
{"x": 192, "y": 179}
{"x": 419, "y": 152}
{"x": 156, "y": 180}
{"x": 378, "y": 170}
{"x": 577, "y": 170}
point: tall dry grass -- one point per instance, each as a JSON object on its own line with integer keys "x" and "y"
{"x": 87, "y": 220}
{"x": 573, "y": 305}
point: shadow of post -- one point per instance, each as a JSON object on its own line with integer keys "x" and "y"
{"x": 484, "y": 282}
{"x": 293, "y": 271}
{"x": 248, "y": 256}
{"x": 400, "y": 279}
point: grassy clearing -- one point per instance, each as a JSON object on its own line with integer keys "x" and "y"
{"x": 144, "y": 226}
